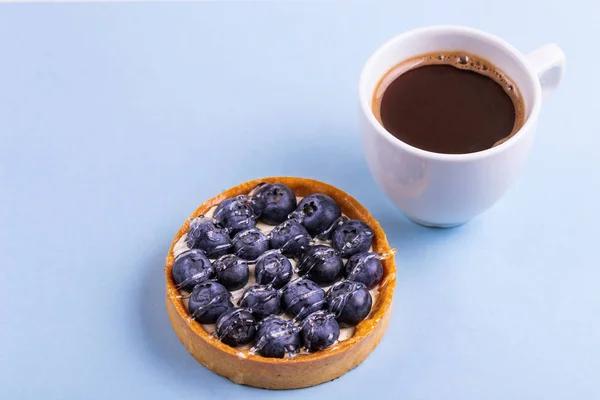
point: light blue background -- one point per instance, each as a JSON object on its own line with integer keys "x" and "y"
{"x": 116, "y": 121}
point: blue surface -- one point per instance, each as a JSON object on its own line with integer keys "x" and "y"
{"x": 116, "y": 121}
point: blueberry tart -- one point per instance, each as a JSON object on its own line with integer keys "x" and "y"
{"x": 280, "y": 283}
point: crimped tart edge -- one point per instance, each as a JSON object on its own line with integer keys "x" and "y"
{"x": 303, "y": 370}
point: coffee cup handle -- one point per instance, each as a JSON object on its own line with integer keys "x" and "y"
{"x": 548, "y": 62}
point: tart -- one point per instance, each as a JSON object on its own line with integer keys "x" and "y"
{"x": 231, "y": 353}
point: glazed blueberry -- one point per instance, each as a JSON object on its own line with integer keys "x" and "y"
{"x": 302, "y": 297}
{"x": 236, "y": 327}
{"x": 352, "y": 237}
{"x": 317, "y": 213}
{"x": 191, "y": 267}
{"x": 208, "y": 301}
{"x": 261, "y": 300}
{"x": 321, "y": 264}
{"x": 272, "y": 202}
{"x": 277, "y": 337}
{"x": 273, "y": 268}
{"x": 365, "y": 268}
{"x": 250, "y": 244}
{"x": 212, "y": 239}
{"x": 291, "y": 237}
{"x": 231, "y": 271}
{"x": 319, "y": 331}
{"x": 349, "y": 301}
{"x": 235, "y": 214}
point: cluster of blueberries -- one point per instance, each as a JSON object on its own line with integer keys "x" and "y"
{"x": 231, "y": 239}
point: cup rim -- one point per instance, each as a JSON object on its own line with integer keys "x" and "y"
{"x": 530, "y": 120}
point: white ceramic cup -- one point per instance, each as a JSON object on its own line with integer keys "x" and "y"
{"x": 445, "y": 190}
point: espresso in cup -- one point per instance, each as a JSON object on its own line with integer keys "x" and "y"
{"x": 449, "y": 102}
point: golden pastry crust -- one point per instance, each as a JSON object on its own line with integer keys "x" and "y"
{"x": 306, "y": 369}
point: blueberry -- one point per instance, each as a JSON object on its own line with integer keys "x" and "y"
{"x": 236, "y": 327}
{"x": 273, "y": 268}
{"x": 277, "y": 337}
{"x": 291, "y": 237}
{"x": 235, "y": 214}
{"x": 191, "y": 267}
{"x": 317, "y": 213}
{"x": 261, "y": 300}
{"x": 352, "y": 237}
{"x": 208, "y": 301}
{"x": 208, "y": 237}
{"x": 319, "y": 331}
{"x": 365, "y": 268}
{"x": 250, "y": 244}
{"x": 349, "y": 301}
{"x": 321, "y": 264}
{"x": 302, "y": 297}
{"x": 231, "y": 271}
{"x": 272, "y": 202}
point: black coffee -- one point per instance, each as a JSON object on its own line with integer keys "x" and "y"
{"x": 450, "y": 103}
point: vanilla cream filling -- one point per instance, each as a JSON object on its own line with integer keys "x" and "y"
{"x": 181, "y": 246}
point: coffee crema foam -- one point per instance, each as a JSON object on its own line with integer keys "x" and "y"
{"x": 461, "y": 60}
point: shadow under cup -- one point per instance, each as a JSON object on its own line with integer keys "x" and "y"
{"x": 445, "y": 190}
